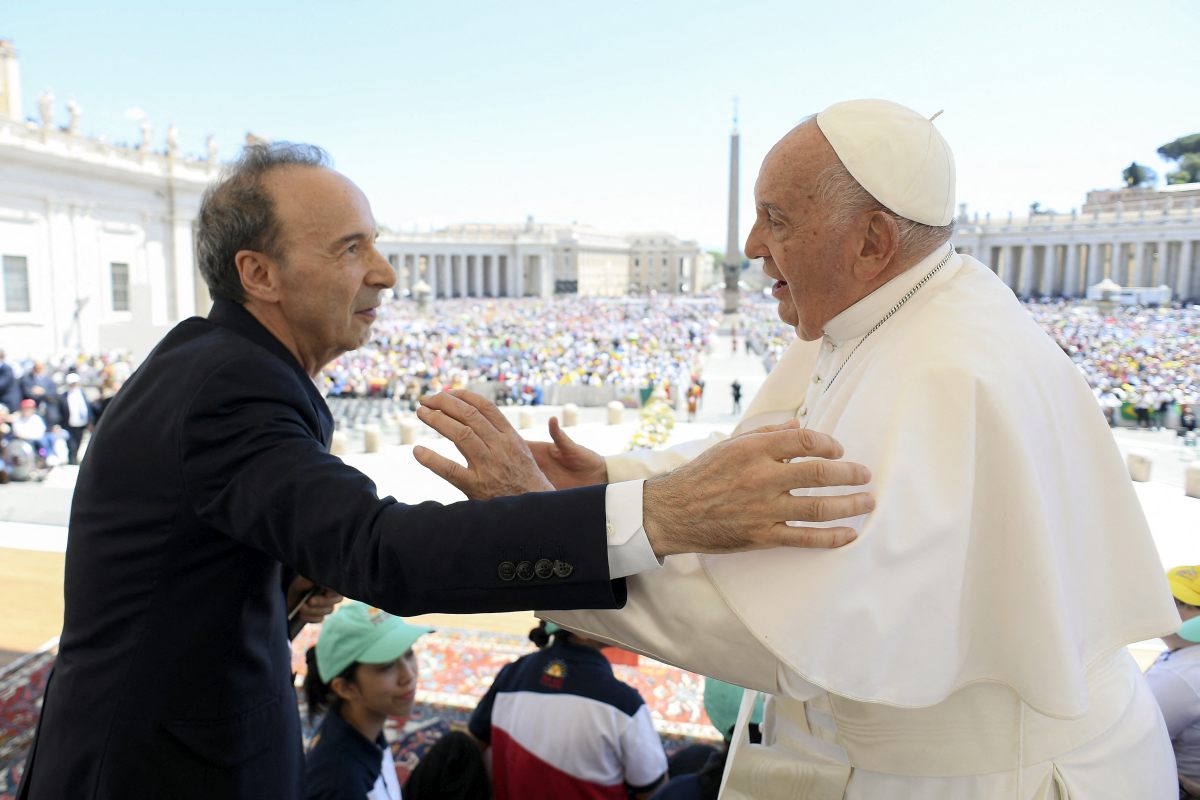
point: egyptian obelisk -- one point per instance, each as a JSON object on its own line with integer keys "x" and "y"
{"x": 733, "y": 252}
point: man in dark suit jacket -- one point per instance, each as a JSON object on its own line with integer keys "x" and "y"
{"x": 209, "y": 478}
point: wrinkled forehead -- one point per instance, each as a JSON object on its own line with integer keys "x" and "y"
{"x": 316, "y": 201}
{"x": 796, "y": 159}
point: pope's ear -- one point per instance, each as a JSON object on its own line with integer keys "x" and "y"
{"x": 259, "y": 274}
{"x": 880, "y": 241}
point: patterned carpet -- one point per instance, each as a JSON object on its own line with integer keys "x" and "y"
{"x": 21, "y": 685}
{"x": 457, "y": 667}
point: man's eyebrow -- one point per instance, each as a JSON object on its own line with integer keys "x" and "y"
{"x": 771, "y": 208}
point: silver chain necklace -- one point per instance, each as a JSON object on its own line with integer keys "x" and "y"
{"x": 899, "y": 303}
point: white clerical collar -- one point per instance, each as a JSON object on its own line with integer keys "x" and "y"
{"x": 856, "y": 320}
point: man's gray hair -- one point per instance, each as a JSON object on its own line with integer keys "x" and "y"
{"x": 237, "y": 213}
{"x": 846, "y": 199}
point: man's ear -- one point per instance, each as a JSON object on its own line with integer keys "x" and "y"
{"x": 880, "y": 241}
{"x": 259, "y": 273}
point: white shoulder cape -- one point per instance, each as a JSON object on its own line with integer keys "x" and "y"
{"x": 1007, "y": 543}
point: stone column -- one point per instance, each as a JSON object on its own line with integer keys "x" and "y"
{"x": 1116, "y": 265}
{"x": 476, "y": 284}
{"x": 460, "y": 275}
{"x": 1071, "y": 272}
{"x": 493, "y": 273}
{"x": 1141, "y": 264}
{"x": 1046, "y": 286}
{"x": 1183, "y": 276}
{"x": 431, "y": 275}
{"x": 517, "y": 272}
{"x": 1025, "y": 284}
{"x": 1095, "y": 269}
{"x": 1011, "y": 274}
{"x": 445, "y": 285}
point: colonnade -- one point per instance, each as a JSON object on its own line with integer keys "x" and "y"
{"x": 1066, "y": 270}
{"x": 469, "y": 274}
{"x": 1050, "y": 259}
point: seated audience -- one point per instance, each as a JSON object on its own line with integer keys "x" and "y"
{"x": 560, "y": 725}
{"x": 363, "y": 670}
{"x": 1175, "y": 677}
{"x": 702, "y": 781}
{"x": 29, "y": 426}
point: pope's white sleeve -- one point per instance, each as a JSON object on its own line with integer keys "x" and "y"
{"x": 648, "y": 463}
{"x": 676, "y": 615}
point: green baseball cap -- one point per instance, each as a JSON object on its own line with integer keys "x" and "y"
{"x": 357, "y": 632}
{"x": 722, "y": 701}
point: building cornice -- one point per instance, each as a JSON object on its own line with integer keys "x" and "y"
{"x": 46, "y": 148}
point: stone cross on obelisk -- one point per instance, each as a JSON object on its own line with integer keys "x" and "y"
{"x": 733, "y": 251}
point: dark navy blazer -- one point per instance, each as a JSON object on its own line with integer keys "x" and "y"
{"x": 208, "y": 477}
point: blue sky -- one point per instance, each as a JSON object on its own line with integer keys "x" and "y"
{"x": 617, "y": 114}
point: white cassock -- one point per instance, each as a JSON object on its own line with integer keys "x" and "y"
{"x": 970, "y": 642}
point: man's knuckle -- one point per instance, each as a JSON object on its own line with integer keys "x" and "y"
{"x": 819, "y": 508}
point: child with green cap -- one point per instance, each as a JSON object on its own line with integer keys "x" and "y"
{"x": 363, "y": 670}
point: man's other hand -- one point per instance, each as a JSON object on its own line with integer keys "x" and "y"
{"x": 319, "y": 604}
{"x": 737, "y": 495}
{"x": 566, "y": 463}
{"x": 499, "y": 462}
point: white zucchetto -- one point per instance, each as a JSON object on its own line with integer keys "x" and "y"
{"x": 896, "y": 154}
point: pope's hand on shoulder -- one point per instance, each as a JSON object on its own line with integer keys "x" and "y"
{"x": 735, "y": 496}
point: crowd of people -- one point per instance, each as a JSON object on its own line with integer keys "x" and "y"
{"x": 1142, "y": 363}
{"x": 524, "y": 347}
{"x": 47, "y": 406}
{"x": 554, "y": 723}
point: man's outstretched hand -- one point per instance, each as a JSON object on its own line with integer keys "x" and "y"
{"x": 499, "y": 462}
{"x": 737, "y": 495}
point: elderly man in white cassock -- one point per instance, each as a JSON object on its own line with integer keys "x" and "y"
{"x": 958, "y": 648}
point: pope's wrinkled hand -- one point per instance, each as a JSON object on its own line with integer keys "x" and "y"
{"x": 566, "y": 463}
{"x": 737, "y": 495}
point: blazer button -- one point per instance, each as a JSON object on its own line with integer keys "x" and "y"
{"x": 525, "y": 570}
{"x": 562, "y": 569}
{"x": 544, "y": 568}
{"x": 507, "y": 570}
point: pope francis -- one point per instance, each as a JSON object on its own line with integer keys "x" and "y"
{"x": 970, "y": 641}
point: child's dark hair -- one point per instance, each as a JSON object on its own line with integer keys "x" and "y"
{"x": 317, "y": 694}
{"x": 541, "y": 637}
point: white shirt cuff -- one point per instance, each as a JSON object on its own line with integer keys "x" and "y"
{"x": 629, "y": 550}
